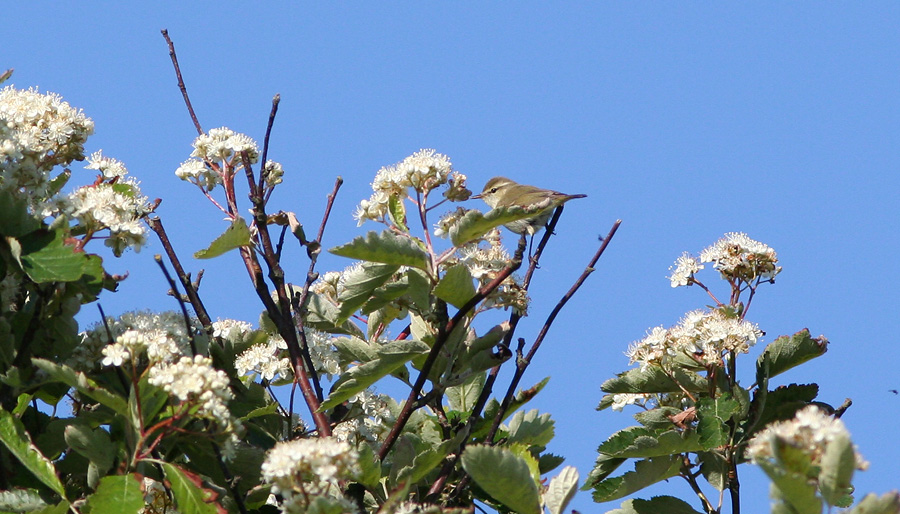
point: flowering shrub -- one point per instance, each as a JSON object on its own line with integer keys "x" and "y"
{"x": 172, "y": 412}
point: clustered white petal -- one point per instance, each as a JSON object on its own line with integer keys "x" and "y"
{"x": 264, "y": 359}
{"x": 37, "y": 133}
{"x": 161, "y": 336}
{"x": 423, "y": 171}
{"x": 218, "y": 153}
{"x": 738, "y": 256}
{"x": 195, "y": 380}
{"x": 118, "y": 207}
{"x": 707, "y": 337}
{"x": 302, "y": 469}
{"x": 811, "y": 430}
{"x": 685, "y": 267}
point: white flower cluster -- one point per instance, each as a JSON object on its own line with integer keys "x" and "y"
{"x": 196, "y": 382}
{"x": 107, "y": 166}
{"x": 423, "y": 171}
{"x": 622, "y": 399}
{"x": 218, "y": 154}
{"x": 811, "y": 430}
{"x": 707, "y": 337}
{"x": 264, "y": 360}
{"x": 162, "y": 336}
{"x": 370, "y": 419}
{"x": 685, "y": 267}
{"x": 738, "y": 256}
{"x": 302, "y": 469}
{"x": 231, "y": 329}
{"x": 37, "y": 133}
{"x": 118, "y": 207}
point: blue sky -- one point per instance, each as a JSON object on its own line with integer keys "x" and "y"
{"x": 684, "y": 120}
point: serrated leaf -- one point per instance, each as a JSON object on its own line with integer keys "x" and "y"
{"x": 646, "y": 472}
{"x": 84, "y": 385}
{"x": 456, "y": 287}
{"x": 658, "y": 418}
{"x": 235, "y": 236}
{"x": 15, "y": 220}
{"x": 503, "y": 475}
{"x": 359, "y": 284}
{"x": 116, "y": 493}
{"x": 473, "y": 224}
{"x": 385, "y": 247}
{"x": 561, "y": 490}
{"x": 46, "y": 258}
{"x": 21, "y": 500}
{"x": 711, "y": 418}
{"x": 390, "y": 357}
{"x": 530, "y": 428}
{"x": 18, "y": 442}
{"x": 714, "y": 468}
{"x": 656, "y": 505}
{"x": 190, "y": 495}
{"x": 640, "y": 442}
{"x": 783, "y": 403}
{"x": 786, "y": 352}
{"x": 490, "y": 410}
{"x": 603, "y": 467}
{"x": 654, "y": 380}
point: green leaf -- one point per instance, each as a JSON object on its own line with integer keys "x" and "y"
{"x": 656, "y": 505}
{"x": 84, "y": 385}
{"x": 503, "y": 475}
{"x": 456, "y": 286}
{"x": 792, "y": 489}
{"x": 385, "y": 247}
{"x": 492, "y": 408}
{"x": 359, "y": 284}
{"x": 603, "y": 467}
{"x": 391, "y": 356}
{"x": 116, "y": 493}
{"x": 46, "y": 258}
{"x": 561, "y": 490}
{"x": 711, "y": 418}
{"x": 473, "y": 224}
{"x": 93, "y": 444}
{"x": 838, "y": 464}
{"x": 658, "y": 418}
{"x": 397, "y": 212}
{"x": 235, "y": 236}
{"x": 190, "y": 495}
{"x": 714, "y": 468}
{"x": 786, "y": 352}
{"x": 874, "y": 504}
{"x": 15, "y": 220}
{"x": 646, "y": 472}
{"x": 638, "y": 442}
{"x": 462, "y": 397}
{"x": 654, "y": 380}
{"x": 21, "y": 500}
{"x": 17, "y": 440}
{"x": 530, "y": 428}
{"x": 783, "y": 403}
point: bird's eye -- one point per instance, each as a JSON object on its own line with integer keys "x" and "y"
{"x": 493, "y": 190}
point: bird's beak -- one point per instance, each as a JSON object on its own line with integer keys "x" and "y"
{"x": 475, "y": 197}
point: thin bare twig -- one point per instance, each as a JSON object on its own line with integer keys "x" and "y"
{"x": 265, "y": 153}
{"x": 178, "y": 297}
{"x": 523, "y": 363}
{"x": 181, "y": 86}
{"x": 191, "y": 291}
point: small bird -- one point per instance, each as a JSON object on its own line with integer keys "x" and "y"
{"x": 503, "y": 192}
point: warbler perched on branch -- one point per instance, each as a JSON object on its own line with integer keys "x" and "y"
{"x": 503, "y": 192}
